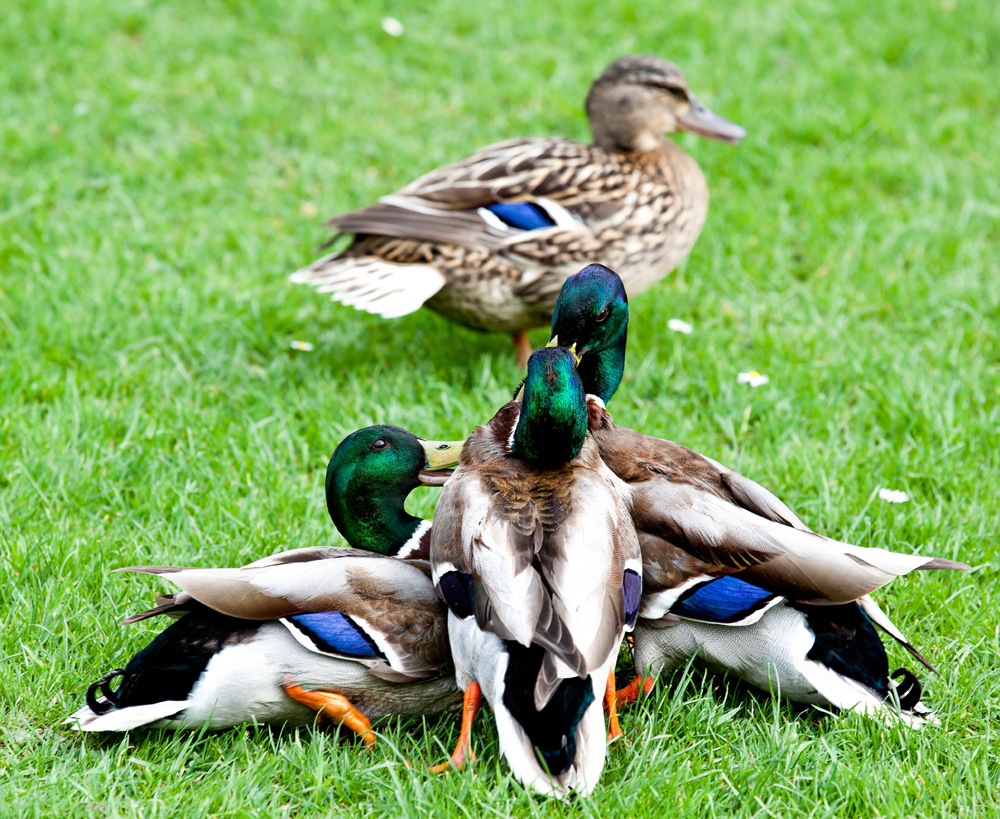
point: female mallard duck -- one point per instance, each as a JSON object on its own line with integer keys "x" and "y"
{"x": 535, "y": 555}
{"x": 487, "y": 242}
{"x": 719, "y": 551}
{"x": 355, "y": 635}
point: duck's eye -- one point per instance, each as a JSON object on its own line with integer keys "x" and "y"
{"x": 603, "y": 315}
{"x": 379, "y": 443}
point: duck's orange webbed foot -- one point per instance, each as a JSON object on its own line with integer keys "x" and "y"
{"x": 639, "y": 687}
{"x": 611, "y": 707}
{"x": 471, "y": 701}
{"x": 333, "y": 707}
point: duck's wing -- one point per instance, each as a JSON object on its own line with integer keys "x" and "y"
{"x": 677, "y": 585}
{"x": 801, "y": 565}
{"x": 591, "y": 565}
{"x": 519, "y": 170}
{"x": 523, "y": 189}
{"x": 637, "y": 458}
{"x": 732, "y": 525}
{"x": 751, "y": 495}
{"x": 340, "y": 602}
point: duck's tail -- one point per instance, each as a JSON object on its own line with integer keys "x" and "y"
{"x": 560, "y": 748}
{"x": 109, "y": 700}
{"x": 103, "y": 712}
{"x": 372, "y": 284}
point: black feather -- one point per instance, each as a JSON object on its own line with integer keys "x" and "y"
{"x": 169, "y": 667}
{"x": 551, "y": 731}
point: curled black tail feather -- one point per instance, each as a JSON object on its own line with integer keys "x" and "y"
{"x": 908, "y": 689}
{"x": 103, "y": 686}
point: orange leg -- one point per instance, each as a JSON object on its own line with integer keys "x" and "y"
{"x": 335, "y": 708}
{"x": 611, "y": 706}
{"x": 639, "y": 687}
{"x": 522, "y": 346}
{"x": 470, "y": 707}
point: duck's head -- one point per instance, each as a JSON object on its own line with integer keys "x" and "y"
{"x": 369, "y": 476}
{"x": 592, "y": 314}
{"x": 638, "y": 99}
{"x": 552, "y": 424}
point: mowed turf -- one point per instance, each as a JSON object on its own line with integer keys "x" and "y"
{"x": 165, "y": 165}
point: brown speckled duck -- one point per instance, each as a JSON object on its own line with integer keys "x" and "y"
{"x": 488, "y": 241}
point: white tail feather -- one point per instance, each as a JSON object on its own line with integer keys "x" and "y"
{"x": 371, "y": 284}
{"x": 850, "y": 695}
{"x": 122, "y": 719}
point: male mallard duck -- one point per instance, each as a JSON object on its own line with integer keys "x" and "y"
{"x": 487, "y": 242}
{"x": 720, "y": 551}
{"x": 535, "y": 555}
{"x": 355, "y": 635}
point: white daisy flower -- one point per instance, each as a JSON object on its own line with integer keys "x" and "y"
{"x": 679, "y": 326}
{"x": 303, "y": 346}
{"x": 893, "y": 495}
{"x": 392, "y": 27}
{"x": 753, "y": 378}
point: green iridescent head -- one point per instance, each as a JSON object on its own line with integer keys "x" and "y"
{"x": 553, "y": 421}
{"x": 592, "y": 312}
{"x": 370, "y": 474}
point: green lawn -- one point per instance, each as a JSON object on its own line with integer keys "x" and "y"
{"x": 164, "y": 165}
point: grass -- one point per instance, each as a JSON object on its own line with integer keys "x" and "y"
{"x": 165, "y": 166}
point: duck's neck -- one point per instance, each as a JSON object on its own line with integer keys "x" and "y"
{"x": 602, "y": 372}
{"x": 374, "y": 520}
{"x": 621, "y": 138}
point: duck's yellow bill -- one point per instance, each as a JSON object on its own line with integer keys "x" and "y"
{"x": 554, "y": 342}
{"x": 441, "y": 460}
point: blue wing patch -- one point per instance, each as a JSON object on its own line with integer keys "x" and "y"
{"x": 335, "y": 633}
{"x": 632, "y": 592}
{"x": 722, "y": 600}
{"x": 521, "y": 215}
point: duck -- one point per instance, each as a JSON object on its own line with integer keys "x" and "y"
{"x": 488, "y": 241}
{"x": 534, "y": 554}
{"x": 731, "y": 575}
{"x": 354, "y": 635}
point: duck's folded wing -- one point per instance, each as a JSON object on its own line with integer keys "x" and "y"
{"x": 579, "y": 579}
{"x": 482, "y": 565}
{"x": 515, "y": 170}
{"x": 486, "y": 564}
{"x": 339, "y": 602}
{"x": 412, "y": 218}
{"x": 757, "y": 499}
{"x": 800, "y": 565}
{"x": 496, "y": 197}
